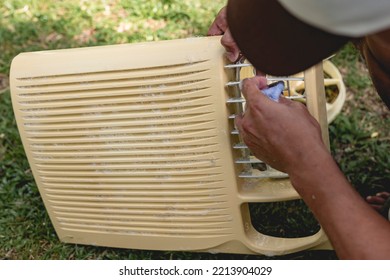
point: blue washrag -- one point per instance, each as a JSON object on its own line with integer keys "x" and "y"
{"x": 274, "y": 91}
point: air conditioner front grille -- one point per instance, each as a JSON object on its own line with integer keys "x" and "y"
{"x": 131, "y": 146}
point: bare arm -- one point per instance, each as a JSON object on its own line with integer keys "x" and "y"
{"x": 354, "y": 228}
{"x": 285, "y": 136}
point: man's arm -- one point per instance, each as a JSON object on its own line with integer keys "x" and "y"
{"x": 355, "y": 230}
{"x": 285, "y": 136}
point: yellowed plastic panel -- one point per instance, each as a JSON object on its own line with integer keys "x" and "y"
{"x": 131, "y": 147}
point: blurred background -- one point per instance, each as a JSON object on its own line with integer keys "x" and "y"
{"x": 360, "y": 135}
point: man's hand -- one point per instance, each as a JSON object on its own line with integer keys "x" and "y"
{"x": 220, "y": 27}
{"x": 283, "y": 134}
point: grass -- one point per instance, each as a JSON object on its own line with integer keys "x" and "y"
{"x": 359, "y": 136}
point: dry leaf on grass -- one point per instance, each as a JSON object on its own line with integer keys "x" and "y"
{"x": 4, "y": 83}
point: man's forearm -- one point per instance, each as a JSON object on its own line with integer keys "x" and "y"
{"x": 347, "y": 219}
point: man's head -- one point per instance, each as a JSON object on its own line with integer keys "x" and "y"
{"x": 283, "y": 37}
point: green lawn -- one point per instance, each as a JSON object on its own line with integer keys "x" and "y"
{"x": 360, "y": 136}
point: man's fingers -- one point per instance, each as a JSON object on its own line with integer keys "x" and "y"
{"x": 384, "y": 195}
{"x": 376, "y": 200}
{"x": 251, "y": 89}
{"x": 216, "y": 29}
{"x": 219, "y": 25}
{"x": 232, "y": 50}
